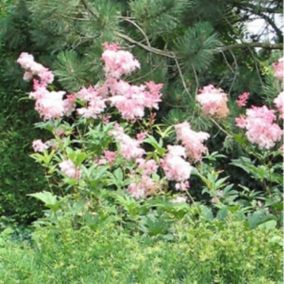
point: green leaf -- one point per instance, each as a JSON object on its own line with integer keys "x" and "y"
{"x": 46, "y": 197}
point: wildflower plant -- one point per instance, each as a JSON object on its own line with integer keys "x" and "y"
{"x": 102, "y": 137}
{"x": 105, "y": 136}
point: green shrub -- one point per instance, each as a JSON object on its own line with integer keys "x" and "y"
{"x": 216, "y": 252}
{"x": 19, "y": 174}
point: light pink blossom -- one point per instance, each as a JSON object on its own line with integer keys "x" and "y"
{"x": 147, "y": 167}
{"x": 142, "y": 188}
{"x": 32, "y": 68}
{"x": 182, "y": 186}
{"x": 110, "y": 156}
{"x": 131, "y": 100}
{"x": 176, "y": 168}
{"x": 129, "y": 147}
{"x": 50, "y": 105}
{"x": 241, "y": 121}
{"x": 176, "y": 150}
{"x": 39, "y": 146}
{"x": 278, "y": 68}
{"x": 192, "y": 141}
{"x": 118, "y": 62}
{"x": 69, "y": 169}
{"x": 69, "y": 104}
{"x": 95, "y": 102}
{"x": 141, "y": 136}
{"x": 279, "y": 102}
{"x": 260, "y": 127}
{"x": 213, "y": 101}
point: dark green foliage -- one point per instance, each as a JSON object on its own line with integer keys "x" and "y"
{"x": 19, "y": 174}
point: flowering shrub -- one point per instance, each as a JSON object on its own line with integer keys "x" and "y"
{"x": 106, "y": 137}
{"x": 72, "y": 153}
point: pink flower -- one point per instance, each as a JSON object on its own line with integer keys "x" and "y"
{"x": 182, "y": 186}
{"x": 279, "y": 102}
{"x": 69, "y": 169}
{"x": 141, "y": 136}
{"x": 131, "y": 100}
{"x": 191, "y": 140}
{"x": 213, "y": 101}
{"x": 241, "y": 121}
{"x": 142, "y": 188}
{"x": 50, "y": 105}
{"x": 69, "y": 104}
{"x": 176, "y": 168}
{"x": 39, "y": 146}
{"x": 260, "y": 127}
{"x": 96, "y": 103}
{"x": 152, "y": 95}
{"x": 278, "y": 68}
{"x": 148, "y": 167}
{"x": 129, "y": 147}
{"x": 118, "y": 62}
{"x": 176, "y": 150}
{"x": 128, "y": 99}
{"x": 110, "y": 156}
{"x": 33, "y": 68}
{"x": 242, "y": 99}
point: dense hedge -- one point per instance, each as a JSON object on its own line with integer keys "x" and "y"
{"x": 215, "y": 252}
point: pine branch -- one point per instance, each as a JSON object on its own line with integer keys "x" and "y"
{"x": 146, "y": 47}
{"x": 89, "y": 9}
{"x": 251, "y": 45}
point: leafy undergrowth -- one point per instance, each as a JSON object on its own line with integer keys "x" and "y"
{"x": 200, "y": 252}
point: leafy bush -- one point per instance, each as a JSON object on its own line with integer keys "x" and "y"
{"x": 195, "y": 252}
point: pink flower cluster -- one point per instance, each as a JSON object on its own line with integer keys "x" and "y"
{"x": 129, "y": 148}
{"x": 118, "y": 62}
{"x": 145, "y": 184}
{"x": 278, "y": 69}
{"x": 95, "y": 100}
{"x": 33, "y": 68}
{"x": 213, "y": 101}
{"x": 142, "y": 188}
{"x": 69, "y": 169}
{"x": 131, "y": 100}
{"x": 147, "y": 167}
{"x": 192, "y": 141}
{"x": 260, "y": 127}
{"x": 279, "y": 102}
{"x": 50, "y": 105}
{"x": 174, "y": 165}
{"x": 39, "y": 146}
{"x": 242, "y": 99}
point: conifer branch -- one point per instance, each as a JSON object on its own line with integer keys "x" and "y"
{"x": 89, "y": 9}
{"x": 146, "y": 47}
{"x": 127, "y": 19}
{"x": 251, "y": 45}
